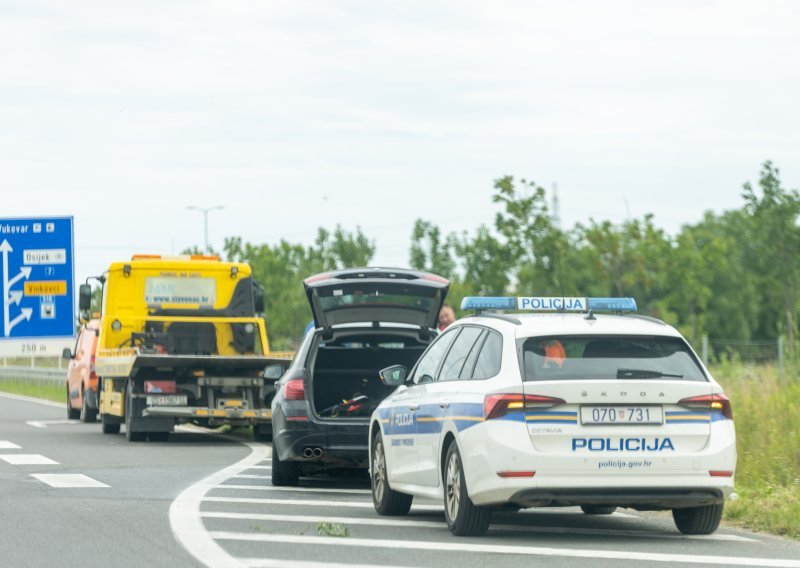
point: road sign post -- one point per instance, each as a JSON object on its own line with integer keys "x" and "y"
{"x": 37, "y": 266}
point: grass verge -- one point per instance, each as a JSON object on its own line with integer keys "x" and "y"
{"x": 766, "y": 410}
{"x": 47, "y": 392}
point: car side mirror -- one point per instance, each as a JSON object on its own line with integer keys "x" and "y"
{"x": 393, "y": 376}
{"x": 84, "y": 297}
{"x": 274, "y": 372}
{"x": 66, "y": 353}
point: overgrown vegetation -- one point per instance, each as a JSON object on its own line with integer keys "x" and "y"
{"x": 766, "y": 407}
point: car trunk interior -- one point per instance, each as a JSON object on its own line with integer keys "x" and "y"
{"x": 344, "y": 374}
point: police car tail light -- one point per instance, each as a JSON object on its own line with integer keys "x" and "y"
{"x": 497, "y": 405}
{"x": 507, "y": 474}
{"x": 295, "y": 389}
{"x": 710, "y": 402}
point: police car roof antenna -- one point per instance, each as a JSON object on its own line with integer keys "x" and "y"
{"x": 590, "y": 315}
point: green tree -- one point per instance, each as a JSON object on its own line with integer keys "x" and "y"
{"x": 431, "y": 251}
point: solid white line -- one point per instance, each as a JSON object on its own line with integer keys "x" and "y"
{"x": 295, "y": 489}
{"x": 64, "y": 480}
{"x": 247, "y": 476}
{"x": 46, "y": 423}
{"x": 184, "y": 513}
{"x": 27, "y": 459}
{"x": 461, "y": 546}
{"x": 441, "y": 525}
{"x": 315, "y": 503}
{"x": 268, "y": 563}
{"x": 6, "y": 445}
{"x": 32, "y": 399}
{"x": 260, "y": 467}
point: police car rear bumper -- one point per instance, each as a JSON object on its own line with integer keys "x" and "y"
{"x": 641, "y": 498}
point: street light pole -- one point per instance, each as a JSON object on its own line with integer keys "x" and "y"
{"x": 205, "y": 211}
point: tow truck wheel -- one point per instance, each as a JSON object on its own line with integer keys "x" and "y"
{"x": 598, "y": 509}
{"x": 262, "y": 432}
{"x": 130, "y": 418}
{"x": 464, "y": 518}
{"x": 283, "y": 473}
{"x": 386, "y": 500}
{"x": 87, "y": 414}
{"x": 698, "y": 520}
{"x": 109, "y": 427}
{"x": 72, "y": 413}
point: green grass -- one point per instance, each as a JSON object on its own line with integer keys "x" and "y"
{"x": 47, "y": 392}
{"x": 766, "y": 410}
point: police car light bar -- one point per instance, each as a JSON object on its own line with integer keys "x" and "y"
{"x": 549, "y": 304}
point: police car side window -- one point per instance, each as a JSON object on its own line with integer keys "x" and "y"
{"x": 454, "y": 362}
{"x": 488, "y": 364}
{"x": 429, "y": 363}
{"x": 469, "y": 365}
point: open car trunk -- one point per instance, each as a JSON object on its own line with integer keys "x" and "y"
{"x": 344, "y": 374}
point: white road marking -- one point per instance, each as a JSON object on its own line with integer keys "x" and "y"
{"x": 247, "y": 476}
{"x": 64, "y": 480}
{"x": 295, "y": 489}
{"x": 27, "y": 459}
{"x": 32, "y": 399}
{"x": 6, "y": 445}
{"x": 268, "y": 563}
{"x": 461, "y": 546}
{"x": 260, "y": 467}
{"x": 441, "y": 525}
{"x": 46, "y": 423}
{"x": 315, "y": 503}
{"x": 184, "y": 513}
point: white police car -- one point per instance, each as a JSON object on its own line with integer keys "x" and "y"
{"x": 555, "y": 409}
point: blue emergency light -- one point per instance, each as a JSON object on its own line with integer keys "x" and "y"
{"x": 549, "y": 304}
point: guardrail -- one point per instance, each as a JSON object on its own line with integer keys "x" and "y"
{"x": 55, "y": 377}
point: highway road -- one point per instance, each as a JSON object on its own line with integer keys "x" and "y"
{"x": 70, "y": 496}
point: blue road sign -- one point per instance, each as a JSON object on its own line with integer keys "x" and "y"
{"x": 38, "y": 278}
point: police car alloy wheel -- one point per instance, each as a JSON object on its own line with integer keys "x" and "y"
{"x": 698, "y": 520}
{"x": 386, "y": 501}
{"x": 463, "y": 517}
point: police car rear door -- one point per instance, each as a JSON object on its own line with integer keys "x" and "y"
{"x": 607, "y": 396}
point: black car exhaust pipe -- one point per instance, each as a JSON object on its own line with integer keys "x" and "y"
{"x": 308, "y": 453}
{"x": 317, "y": 452}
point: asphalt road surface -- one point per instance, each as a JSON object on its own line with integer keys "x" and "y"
{"x": 70, "y": 496}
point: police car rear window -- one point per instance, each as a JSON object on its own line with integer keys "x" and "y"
{"x": 607, "y": 358}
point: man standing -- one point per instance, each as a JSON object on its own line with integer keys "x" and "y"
{"x": 446, "y": 317}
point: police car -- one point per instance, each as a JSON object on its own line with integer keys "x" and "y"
{"x": 568, "y": 408}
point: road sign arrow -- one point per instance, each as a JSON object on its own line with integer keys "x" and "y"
{"x": 5, "y": 247}
{"x": 24, "y": 272}
{"x": 25, "y": 315}
{"x": 15, "y": 297}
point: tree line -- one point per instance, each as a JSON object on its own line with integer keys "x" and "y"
{"x": 731, "y": 275}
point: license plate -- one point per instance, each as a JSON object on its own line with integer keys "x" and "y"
{"x": 167, "y": 400}
{"x": 622, "y": 415}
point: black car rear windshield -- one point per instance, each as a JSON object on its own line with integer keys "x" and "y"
{"x": 608, "y": 357}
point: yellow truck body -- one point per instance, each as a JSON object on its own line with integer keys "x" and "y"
{"x": 180, "y": 340}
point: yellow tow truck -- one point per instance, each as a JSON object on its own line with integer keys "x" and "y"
{"x": 180, "y": 341}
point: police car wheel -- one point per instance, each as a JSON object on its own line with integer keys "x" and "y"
{"x": 386, "y": 500}
{"x": 464, "y": 518}
{"x": 698, "y": 520}
{"x": 283, "y": 473}
{"x": 598, "y": 509}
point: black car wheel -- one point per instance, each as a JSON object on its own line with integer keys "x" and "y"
{"x": 283, "y": 473}
{"x": 386, "y": 500}
{"x": 698, "y": 520}
{"x": 464, "y": 518}
{"x": 87, "y": 414}
{"x": 72, "y": 413}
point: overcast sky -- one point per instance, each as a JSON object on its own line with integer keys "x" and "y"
{"x": 295, "y": 115}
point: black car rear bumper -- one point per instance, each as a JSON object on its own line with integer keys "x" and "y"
{"x": 304, "y": 439}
